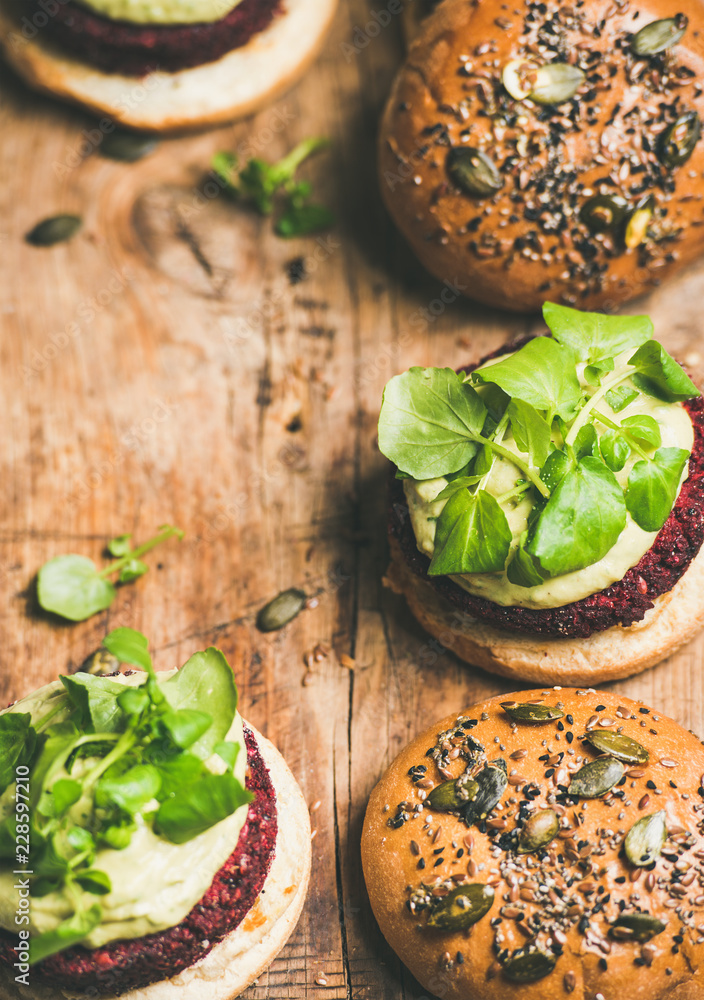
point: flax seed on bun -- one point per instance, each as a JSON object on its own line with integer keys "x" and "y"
{"x": 238, "y": 84}
{"x": 568, "y": 907}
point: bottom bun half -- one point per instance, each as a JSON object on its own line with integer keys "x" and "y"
{"x": 604, "y": 656}
{"x": 233, "y": 964}
{"x": 238, "y": 84}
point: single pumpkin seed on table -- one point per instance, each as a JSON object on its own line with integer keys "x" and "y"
{"x": 473, "y": 171}
{"x": 451, "y": 796}
{"x": 538, "y": 831}
{"x": 523, "y": 712}
{"x": 645, "y": 840}
{"x": 619, "y": 746}
{"x": 643, "y": 926}
{"x": 127, "y": 147}
{"x": 281, "y": 610}
{"x": 462, "y": 907}
{"x": 55, "y": 229}
{"x": 528, "y": 965}
{"x": 659, "y": 35}
{"x": 676, "y": 143}
{"x": 596, "y": 778}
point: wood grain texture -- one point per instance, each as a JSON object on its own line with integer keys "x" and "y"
{"x": 162, "y": 367}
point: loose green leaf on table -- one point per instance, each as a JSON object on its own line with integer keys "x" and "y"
{"x": 581, "y": 521}
{"x": 653, "y": 485}
{"x": 73, "y": 587}
{"x": 471, "y": 536}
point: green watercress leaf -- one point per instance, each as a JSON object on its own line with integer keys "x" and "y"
{"x": 299, "y": 220}
{"x": 69, "y": 932}
{"x": 95, "y": 699}
{"x": 196, "y": 808}
{"x": 472, "y": 536}
{"x": 71, "y": 586}
{"x": 428, "y": 422}
{"x": 118, "y": 836}
{"x": 462, "y": 483}
{"x": 228, "y": 751}
{"x": 186, "y": 725}
{"x": 653, "y": 485}
{"x": 133, "y": 701}
{"x": 659, "y": 375}
{"x": 581, "y": 521}
{"x": 531, "y": 430}
{"x": 129, "y": 791}
{"x": 524, "y": 570}
{"x": 586, "y": 442}
{"x": 17, "y": 741}
{"x": 120, "y": 546}
{"x": 620, "y": 397}
{"x": 593, "y": 373}
{"x": 132, "y": 570}
{"x": 177, "y": 772}
{"x": 129, "y": 646}
{"x": 643, "y": 429}
{"x": 595, "y": 335}
{"x": 205, "y": 681}
{"x": 556, "y": 467}
{"x": 94, "y": 881}
{"x": 80, "y": 840}
{"x": 541, "y": 373}
{"x": 615, "y": 450}
{"x": 65, "y": 792}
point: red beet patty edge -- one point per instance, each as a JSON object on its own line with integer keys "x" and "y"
{"x": 138, "y": 49}
{"x": 624, "y": 602}
{"x": 125, "y": 965}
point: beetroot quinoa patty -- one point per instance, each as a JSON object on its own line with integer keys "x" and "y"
{"x": 129, "y": 964}
{"x": 137, "y": 49}
{"x": 624, "y": 602}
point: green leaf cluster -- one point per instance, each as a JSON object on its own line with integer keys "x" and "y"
{"x": 73, "y": 587}
{"x": 265, "y": 184}
{"x": 437, "y": 423}
{"x": 108, "y": 753}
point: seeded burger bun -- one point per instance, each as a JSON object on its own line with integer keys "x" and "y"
{"x": 165, "y": 76}
{"x": 261, "y": 888}
{"x": 541, "y": 151}
{"x": 548, "y": 848}
{"x": 466, "y": 543}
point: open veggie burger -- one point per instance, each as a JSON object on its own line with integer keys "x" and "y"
{"x": 546, "y": 517}
{"x": 152, "y": 844}
{"x": 164, "y": 64}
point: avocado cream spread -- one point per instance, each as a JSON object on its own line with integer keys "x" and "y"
{"x": 154, "y": 879}
{"x": 163, "y": 11}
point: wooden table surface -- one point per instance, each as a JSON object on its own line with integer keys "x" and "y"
{"x": 163, "y": 367}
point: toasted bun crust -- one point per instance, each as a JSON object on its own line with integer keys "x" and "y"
{"x": 449, "y": 94}
{"x": 233, "y": 964}
{"x": 604, "y": 656}
{"x": 558, "y": 887}
{"x": 240, "y": 83}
